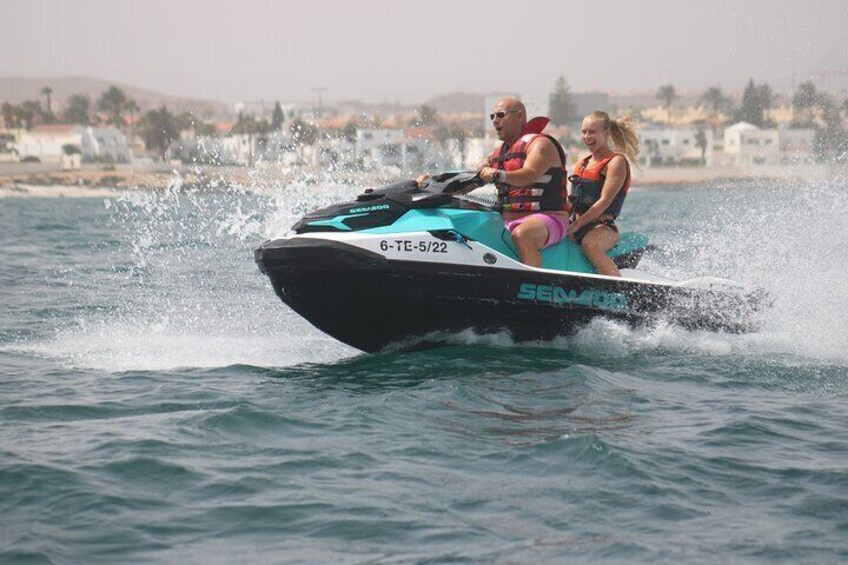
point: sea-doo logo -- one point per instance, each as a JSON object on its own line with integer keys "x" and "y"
{"x": 369, "y": 208}
{"x": 558, "y": 295}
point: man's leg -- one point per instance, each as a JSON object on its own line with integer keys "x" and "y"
{"x": 595, "y": 244}
{"x": 530, "y": 237}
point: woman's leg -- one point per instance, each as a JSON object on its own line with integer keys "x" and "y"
{"x": 595, "y": 244}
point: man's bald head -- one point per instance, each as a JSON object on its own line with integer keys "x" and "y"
{"x": 510, "y": 119}
{"x": 513, "y": 104}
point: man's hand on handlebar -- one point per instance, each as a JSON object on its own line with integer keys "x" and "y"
{"x": 488, "y": 174}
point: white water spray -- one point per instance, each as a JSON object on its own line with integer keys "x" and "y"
{"x": 185, "y": 292}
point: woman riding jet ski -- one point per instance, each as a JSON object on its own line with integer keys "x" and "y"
{"x": 405, "y": 265}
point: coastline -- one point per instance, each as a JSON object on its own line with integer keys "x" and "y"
{"x": 104, "y": 182}
{"x": 94, "y": 183}
{"x": 43, "y": 182}
{"x": 55, "y": 191}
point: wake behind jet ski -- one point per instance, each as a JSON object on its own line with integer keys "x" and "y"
{"x": 404, "y": 264}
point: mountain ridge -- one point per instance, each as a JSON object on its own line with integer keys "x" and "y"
{"x": 16, "y": 89}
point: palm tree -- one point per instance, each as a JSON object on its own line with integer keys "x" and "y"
{"x": 30, "y": 113}
{"x": 77, "y": 110}
{"x": 767, "y": 97}
{"x": 667, "y": 94}
{"x": 159, "y": 129}
{"x": 805, "y": 96}
{"x": 10, "y": 115}
{"x": 715, "y": 100}
{"x": 804, "y": 100}
{"x": 426, "y": 115}
{"x": 114, "y": 103}
{"x": 47, "y": 91}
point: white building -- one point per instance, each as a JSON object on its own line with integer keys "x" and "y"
{"x": 104, "y": 144}
{"x": 676, "y": 146}
{"x": 746, "y": 144}
{"x": 50, "y": 143}
{"x": 45, "y": 142}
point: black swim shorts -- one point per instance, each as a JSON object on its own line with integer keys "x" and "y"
{"x": 581, "y": 233}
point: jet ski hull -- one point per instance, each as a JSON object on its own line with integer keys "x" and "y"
{"x": 371, "y": 302}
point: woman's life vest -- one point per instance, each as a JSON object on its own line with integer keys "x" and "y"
{"x": 548, "y": 193}
{"x": 587, "y": 183}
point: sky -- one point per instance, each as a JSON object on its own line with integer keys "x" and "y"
{"x": 380, "y": 50}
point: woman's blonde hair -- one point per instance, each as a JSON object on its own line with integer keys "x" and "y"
{"x": 623, "y": 133}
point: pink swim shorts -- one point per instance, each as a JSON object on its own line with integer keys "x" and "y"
{"x": 557, "y": 226}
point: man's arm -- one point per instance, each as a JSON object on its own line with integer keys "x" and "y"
{"x": 541, "y": 156}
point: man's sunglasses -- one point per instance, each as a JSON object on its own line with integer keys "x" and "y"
{"x": 501, "y": 115}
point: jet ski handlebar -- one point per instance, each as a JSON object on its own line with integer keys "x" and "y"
{"x": 453, "y": 182}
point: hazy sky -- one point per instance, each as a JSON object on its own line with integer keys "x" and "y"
{"x": 379, "y": 50}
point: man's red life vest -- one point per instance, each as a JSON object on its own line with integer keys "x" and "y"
{"x": 548, "y": 193}
{"x": 587, "y": 183}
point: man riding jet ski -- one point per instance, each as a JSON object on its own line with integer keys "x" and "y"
{"x": 529, "y": 172}
{"x": 407, "y": 264}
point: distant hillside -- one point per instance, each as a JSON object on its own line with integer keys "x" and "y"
{"x": 18, "y": 89}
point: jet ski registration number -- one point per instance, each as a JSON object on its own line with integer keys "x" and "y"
{"x": 409, "y": 246}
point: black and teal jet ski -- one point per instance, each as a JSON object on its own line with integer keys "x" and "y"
{"x": 404, "y": 265}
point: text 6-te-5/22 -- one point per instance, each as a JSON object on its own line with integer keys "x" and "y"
{"x": 409, "y": 246}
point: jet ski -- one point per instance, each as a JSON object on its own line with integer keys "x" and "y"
{"x": 404, "y": 266}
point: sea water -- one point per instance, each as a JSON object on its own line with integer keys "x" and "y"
{"x": 158, "y": 403}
